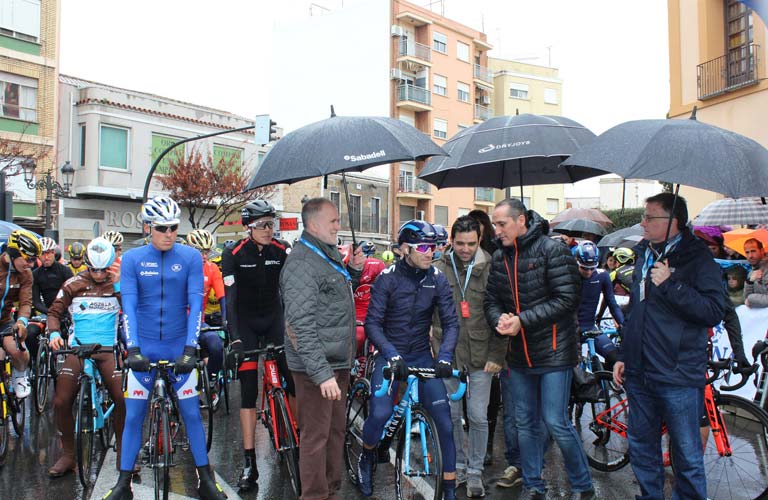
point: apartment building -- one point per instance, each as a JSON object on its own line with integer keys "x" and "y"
{"x": 28, "y": 99}
{"x": 717, "y": 58}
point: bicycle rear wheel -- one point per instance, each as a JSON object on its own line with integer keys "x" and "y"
{"x": 357, "y": 413}
{"x": 289, "y": 446}
{"x": 224, "y": 384}
{"x": 84, "y": 438}
{"x": 42, "y": 378}
{"x": 206, "y": 405}
{"x": 744, "y": 474}
{"x": 5, "y": 426}
{"x": 606, "y": 449}
{"x": 423, "y": 476}
{"x": 160, "y": 451}
{"x": 18, "y": 409}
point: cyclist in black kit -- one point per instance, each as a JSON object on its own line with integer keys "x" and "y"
{"x": 251, "y": 270}
{"x": 47, "y": 280}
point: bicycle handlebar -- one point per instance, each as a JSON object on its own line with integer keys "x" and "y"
{"x": 211, "y": 329}
{"x": 726, "y": 364}
{"x": 85, "y": 350}
{"x": 423, "y": 373}
{"x": 10, "y": 332}
{"x": 745, "y": 375}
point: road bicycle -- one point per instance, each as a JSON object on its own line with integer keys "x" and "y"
{"x": 418, "y": 461}
{"x": 275, "y": 413}
{"x": 11, "y": 408}
{"x": 94, "y": 408}
{"x": 736, "y": 452}
{"x": 222, "y": 378}
{"x": 40, "y": 366}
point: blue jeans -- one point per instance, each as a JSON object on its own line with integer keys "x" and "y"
{"x": 471, "y": 458}
{"x": 680, "y": 408}
{"x": 546, "y": 396}
{"x": 511, "y": 441}
{"x": 215, "y": 347}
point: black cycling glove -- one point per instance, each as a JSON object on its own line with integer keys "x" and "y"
{"x": 398, "y": 367}
{"x": 137, "y": 361}
{"x": 236, "y": 354}
{"x": 186, "y": 362}
{"x": 443, "y": 369}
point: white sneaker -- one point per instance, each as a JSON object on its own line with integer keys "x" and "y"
{"x": 21, "y": 385}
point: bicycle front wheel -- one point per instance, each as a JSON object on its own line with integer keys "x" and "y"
{"x": 288, "y": 439}
{"x": 160, "y": 451}
{"x": 744, "y": 474}
{"x": 107, "y": 432}
{"x": 598, "y": 425}
{"x": 419, "y": 466}
{"x": 5, "y": 426}
{"x": 206, "y": 405}
{"x": 18, "y": 414}
{"x": 357, "y": 413}
{"x": 43, "y": 371}
{"x": 84, "y": 433}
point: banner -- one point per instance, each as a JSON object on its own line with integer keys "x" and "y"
{"x": 754, "y": 323}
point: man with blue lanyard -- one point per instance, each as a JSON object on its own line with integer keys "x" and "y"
{"x": 162, "y": 290}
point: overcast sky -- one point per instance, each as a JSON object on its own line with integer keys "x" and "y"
{"x": 612, "y": 54}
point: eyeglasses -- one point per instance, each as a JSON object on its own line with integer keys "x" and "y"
{"x": 164, "y": 229}
{"x": 423, "y": 247}
{"x": 647, "y": 217}
{"x": 265, "y": 224}
{"x": 75, "y": 258}
{"x": 31, "y": 260}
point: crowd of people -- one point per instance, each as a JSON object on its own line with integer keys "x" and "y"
{"x": 497, "y": 295}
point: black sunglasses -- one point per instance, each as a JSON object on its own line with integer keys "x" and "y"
{"x": 95, "y": 270}
{"x": 165, "y": 229}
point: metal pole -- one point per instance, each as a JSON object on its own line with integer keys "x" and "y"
{"x": 5, "y": 216}
{"x": 48, "y": 199}
{"x": 349, "y": 210}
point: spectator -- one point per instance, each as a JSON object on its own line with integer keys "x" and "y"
{"x": 532, "y": 296}
{"x": 677, "y": 295}
{"x": 486, "y": 230}
{"x": 756, "y": 284}
{"x": 736, "y": 276}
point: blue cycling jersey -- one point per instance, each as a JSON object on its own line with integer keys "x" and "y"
{"x": 598, "y": 283}
{"x": 162, "y": 294}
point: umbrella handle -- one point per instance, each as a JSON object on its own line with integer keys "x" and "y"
{"x": 349, "y": 210}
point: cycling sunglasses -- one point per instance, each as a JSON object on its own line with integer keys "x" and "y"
{"x": 264, "y": 224}
{"x": 165, "y": 229}
{"x": 97, "y": 270}
{"x": 423, "y": 247}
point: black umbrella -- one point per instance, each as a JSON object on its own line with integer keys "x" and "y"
{"x": 626, "y": 237}
{"x": 580, "y": 226}
{"x": 342, "y": 144}
{"x": 511, "y": 151}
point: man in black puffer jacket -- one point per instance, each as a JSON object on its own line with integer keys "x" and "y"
{"x": 533, "y": 296}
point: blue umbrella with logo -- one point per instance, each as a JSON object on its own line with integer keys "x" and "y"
{"x": 6, "y": 228}
{"x": 510, "y": 151}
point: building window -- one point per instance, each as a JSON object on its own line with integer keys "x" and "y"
{"x": 227, "y": 155}
{"x": 550, "y": 96}
{"x": 20, "y": 19}
{"x": 463, "y": 89}
{"x": 336, "y": 200}
{"x": 439, "y": 85}
{"x": 463, "y": 211}
{"x": 462, "y": 51}
{"x": 375, "y": 215}
{"x": 439, "y": 42}
{"x": 553, "y": 206}
{"x": 159, "y": 144}
{"x": 113, "y": 147}
{"x": 441, "y": 215}
{"x": 440, "y": 129}
{"x": 82, "y": 145}
{"x": 18, "y": 96}
{"x": 740, "y": 35}
{"x": 518, "y": 91}
{"x": 354, "y": 211}
{"x": 407, "y": 213}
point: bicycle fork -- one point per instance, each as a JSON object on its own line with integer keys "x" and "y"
{"x": 717, "y": 426}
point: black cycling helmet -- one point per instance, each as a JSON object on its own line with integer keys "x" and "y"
{"x": 416, "y": 231}
{"x": 76, "y": 250}
{"x": 587, "y": 254}
{"x": 441, "y": 234}
{"x": 255, "y": 210}
{"x": 369, "y": 248}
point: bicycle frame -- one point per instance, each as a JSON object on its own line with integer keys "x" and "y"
{"x": 100, "y": 416}
{"x": 271, "y": 382}
{"x": 162, "y": 398}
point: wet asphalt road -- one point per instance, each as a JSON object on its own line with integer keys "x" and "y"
{"x": 24, "y": 475}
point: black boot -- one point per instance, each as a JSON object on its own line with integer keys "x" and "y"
{"x": 207, "y": 487}
{"x": 122, "y": 490}
{"x": 249, "y": 475}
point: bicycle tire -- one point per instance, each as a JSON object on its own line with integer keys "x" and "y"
{"x": 356, "y": 415}
{"x": 606, "y": 451}
{"x": 42, "y": 376}
{"x": 5, "y": 426}
{"x": 744, "y": 474}
{"x": 107, "y": 432}
{"x": 18, "y": 413}
{"x": 224, "y": 384}
{"x": 84, "y": 434}
{"x": 160, "y": 451}
{"x": 289, "y": 446}
{"x": 207, "y": 405}
{"x": 420, "y": 482}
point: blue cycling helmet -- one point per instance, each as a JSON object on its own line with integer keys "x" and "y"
{"x": 587, "y": 254}
{"x": 369, "y": 248}
{"x": 416, "y": 231}
{"x": 442, "y": 234}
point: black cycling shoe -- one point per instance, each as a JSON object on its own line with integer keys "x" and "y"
{"x": 122, "y": 490}
{"x": 207, "y": 487}
{"x": 248, "y": 476}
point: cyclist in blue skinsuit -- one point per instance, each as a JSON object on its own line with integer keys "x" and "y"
{"x": 162, "y": 290}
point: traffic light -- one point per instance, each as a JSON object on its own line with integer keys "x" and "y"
{"x": 262, "y": 129}
{"x": 273, "y": 131}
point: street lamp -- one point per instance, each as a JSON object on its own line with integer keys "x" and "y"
{"x": 48, "y": 184}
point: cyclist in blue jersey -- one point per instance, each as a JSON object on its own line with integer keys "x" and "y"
{"x": 595, "y": 283}
{"x": 93, "y": 299}
{"x": 162, "y": 291}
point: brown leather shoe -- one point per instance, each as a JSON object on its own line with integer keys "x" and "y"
{"x": 63, "y": 465}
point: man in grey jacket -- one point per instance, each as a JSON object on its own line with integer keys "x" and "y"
{"x": 466, "y": 267}
{"x": 756, "y": 285}
{"x": 317, "y": 288}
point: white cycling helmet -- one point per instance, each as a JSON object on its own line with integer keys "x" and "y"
{"x": 161, "y": 210}
{"x": 114, "y": 237}
{"x": 100, "y": 254}
{"x": 47, "y": 244}
{"x": 200, "y": 239}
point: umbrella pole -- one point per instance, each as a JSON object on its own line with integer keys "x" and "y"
{"x": 623, "y": 193}
{"x": 672, "y": 214}
{"x": 349, "y": 210}
{"x": 520, "y": 170}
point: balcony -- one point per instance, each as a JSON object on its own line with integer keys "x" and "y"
{"x": 484, "y": 197}
{"x": 484, "y": 75}
{"x": 482, "y": 113}
{"x": 736, "y": 69}
{"x": 412, "y": 50}
{"x": 414, "y": 98}
{"x": 412, "y": 187}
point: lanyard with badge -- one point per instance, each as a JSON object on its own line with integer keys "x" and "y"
{"x": 333, "y": 264}
{"x": 464, "y": 304}
{"x": 651, "y": 256}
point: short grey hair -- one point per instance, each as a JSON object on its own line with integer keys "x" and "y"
{"x": 515, "y": 207}
{"x": 312, "y": 207}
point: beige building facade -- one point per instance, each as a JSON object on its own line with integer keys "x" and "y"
{"x": 717, "y": 57}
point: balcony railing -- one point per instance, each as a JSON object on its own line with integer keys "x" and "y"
{"x": 734, "y": 70}
{"x": 414, "y": 49}
{"x": 482, "y": 112}
{"x": 482, "y": 73}
{"x": 408, "y": 92}
{"x": 410, "y": 184}
{"x": 484, "y": 194}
